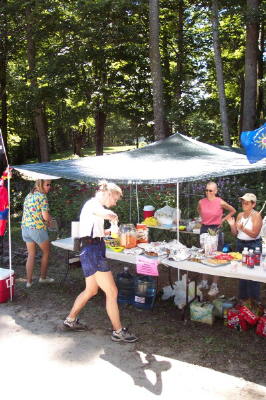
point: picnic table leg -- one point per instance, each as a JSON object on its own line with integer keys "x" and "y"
{"x": 170, "y": 277}
{"x": 67, "y": 267}
{"x": 184, "y": 309}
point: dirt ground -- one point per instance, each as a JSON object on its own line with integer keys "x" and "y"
{"x": 42, "y": 308}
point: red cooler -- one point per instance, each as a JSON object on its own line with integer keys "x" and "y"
{"x": 6, "y": 281}
{"x": 148, "y": 211}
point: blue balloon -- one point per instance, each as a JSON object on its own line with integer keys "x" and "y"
{"x": 254, "y": 142}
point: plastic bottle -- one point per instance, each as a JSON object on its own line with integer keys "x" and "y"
{"x": 244, "y": 256}
{"x": 125, "y": 285}
{"x": 250, "y": 259}
{"x": 114, "y": 230}
{"x": 145, "y": 291}
{"x": 257, "y": 255}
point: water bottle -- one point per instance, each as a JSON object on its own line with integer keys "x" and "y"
{"x": 257, "y": 256}
{"x": 114, "y": 229}
{"x": 244, "y": 257}
{"x": 250, "y": 259}
{"x": 145, "y": 291}
{"x": 125, "y": 286}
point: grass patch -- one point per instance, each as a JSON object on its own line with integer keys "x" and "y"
{"x": 68, "y": 154}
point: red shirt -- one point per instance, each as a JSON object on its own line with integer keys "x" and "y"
{"x": 211, "y": 211}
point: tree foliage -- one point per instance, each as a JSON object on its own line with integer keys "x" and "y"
{"x": 93, "y": 76}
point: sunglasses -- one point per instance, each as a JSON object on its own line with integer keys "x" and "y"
{"x": 48, "y": 184}
{"x": 208, "y": 190}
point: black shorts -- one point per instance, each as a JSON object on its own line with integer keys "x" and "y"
{"x": 92, "y": 258}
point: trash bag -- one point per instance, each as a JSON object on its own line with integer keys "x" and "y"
{"x": 180, "y": 292}
{"x": 168, "y": 292}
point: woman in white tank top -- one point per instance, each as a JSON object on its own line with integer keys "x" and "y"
{"x": 246, "y": 228}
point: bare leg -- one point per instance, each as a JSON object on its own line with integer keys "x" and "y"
{"x": 106, "y": 282}
{"x": 91, "y": 290}
{"x": 31, "y": 247}
{"x": 45, "y": 247}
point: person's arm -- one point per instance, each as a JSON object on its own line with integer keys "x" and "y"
{"x": 229, "y": 208}
{"x": 256, "y": 226}
{"x": 46, "y": 217}
{"x": 105, "y": 213}
{"x": 233, "y": 224}
{"x": 198, "y": 208}
{"x": 45, "y": 209}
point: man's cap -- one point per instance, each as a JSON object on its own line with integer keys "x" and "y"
{"x": 249, "y": 197}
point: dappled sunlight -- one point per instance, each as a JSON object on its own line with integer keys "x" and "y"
{"x": 89, "y": 362}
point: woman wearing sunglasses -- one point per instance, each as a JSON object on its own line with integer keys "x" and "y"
{"x": 211, "y": 210}
{"x": 246, "y": 228}
{"x": 35, "y": 221}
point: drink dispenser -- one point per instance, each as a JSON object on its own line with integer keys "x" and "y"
{"x": 128, "y": 236}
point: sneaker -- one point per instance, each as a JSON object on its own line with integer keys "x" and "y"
{"x": 28, "y": 285}
{"x": 203, "y": 285}
{"x": 123, "y": 336}
{"x": 213, "y": 290}
{"x": 46, "y": 280}
{"x": 75, "y": 325}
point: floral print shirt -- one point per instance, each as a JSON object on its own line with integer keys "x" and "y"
{"x": 34, "y": 204}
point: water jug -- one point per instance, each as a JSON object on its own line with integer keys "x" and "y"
{"x": 128, "y": 236}
{"x": 125, "y": 285}
{"x": 145, "y": 291}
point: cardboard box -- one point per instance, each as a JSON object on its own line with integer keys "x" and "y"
{"x": 220, "y": 304}
{"x": 202, "y": 312}
{"x": 6, "y": 282}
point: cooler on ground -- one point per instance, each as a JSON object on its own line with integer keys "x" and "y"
{"x": 6, "y": 282}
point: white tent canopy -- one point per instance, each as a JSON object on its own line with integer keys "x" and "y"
{"x": 175, "y": 159}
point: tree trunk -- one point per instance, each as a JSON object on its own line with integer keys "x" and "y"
{"x": 219, "y": 73}
{"x": 160, "y": 125}
{"x": 242, "y": 89}
{"x": 180, "y": 45}
{"x": 38, "y": 108}
{"x": 3, "y": 71}
{"x": 251, "y": 59}
{"x": 260, "y": 103}
{"x": 100, "y": 118}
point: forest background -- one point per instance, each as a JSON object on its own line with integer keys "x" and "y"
{"x": 79, "y": 76}
{"x": 88, "y": 74}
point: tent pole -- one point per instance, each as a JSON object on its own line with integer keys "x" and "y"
{"x": 177, "y": 211}
{"x": 130, "y": 202}
{"x": 177, "y": 221}
{"x": 137, "y": 198}
{"x": 9, "y": 233}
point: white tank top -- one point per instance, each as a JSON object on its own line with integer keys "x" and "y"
{"x": 247, "y": 222}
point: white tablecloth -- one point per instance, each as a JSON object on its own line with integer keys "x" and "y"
{"x": 255, "y": 274}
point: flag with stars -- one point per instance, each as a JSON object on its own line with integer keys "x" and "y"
{"x": 254, "y": 142}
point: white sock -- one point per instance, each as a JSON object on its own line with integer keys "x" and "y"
{"x": 70, "y": 319}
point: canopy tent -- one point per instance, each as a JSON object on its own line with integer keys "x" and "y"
{"x": 172, "y": 160}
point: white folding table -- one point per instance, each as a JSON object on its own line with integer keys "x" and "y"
{"x": 229, "y": 271}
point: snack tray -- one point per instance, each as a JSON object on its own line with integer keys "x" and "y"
{"x": 210, "y": 264}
